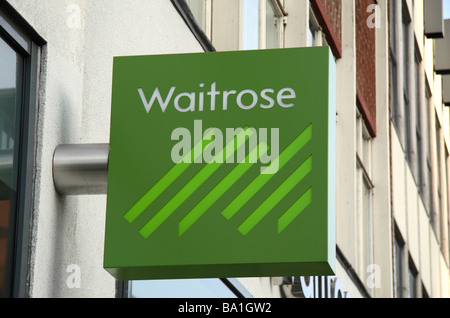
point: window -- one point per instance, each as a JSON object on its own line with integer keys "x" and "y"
{"x": 418, "y": 124}
{"x": 315, "y": 34}
{"x": 364, "y": 195}
{"x": 188, "y": 288}
{"x": 398, "y": 265}
{"x": 263, "y": 24}
{"x": 274, "y": 24}
{"x": 11, "y": 79}
{"x": 18, "y": 91}
{"x": 199, "y": 11}
{"x": 400, "y": 50}
{"x": 412, "y": 280}
{"x": 251, "y": 24}
{"x": 393, "y": 65}
{"x": 436, "y": 215}
{"x": 427, "y": 192}
{"x": 243, "y": 24}
{"x": 406, "y": 88}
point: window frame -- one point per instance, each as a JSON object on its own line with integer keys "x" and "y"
{"x": 22, "y": 38}
{"x": 315, "y": 30}
{"x": 279, "y": 20}
{"x": 279, "y": 16}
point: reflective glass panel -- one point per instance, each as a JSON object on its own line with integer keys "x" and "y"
{"x": 251, "y": 25}
{"x": 181, "y": 288}
{"x": 10, "y": 113}
{"x": 198, "y": 8}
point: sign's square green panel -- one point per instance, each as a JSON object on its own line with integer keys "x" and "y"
{"x": 222, "y": 164}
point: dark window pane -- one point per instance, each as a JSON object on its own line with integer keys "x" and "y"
{"x": 398, "y": 268}
{"x": 10, "y": 114}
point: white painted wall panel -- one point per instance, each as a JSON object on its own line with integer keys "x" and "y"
{"x": 74, "y": 107}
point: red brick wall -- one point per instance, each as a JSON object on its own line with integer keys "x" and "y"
{"x": 365, "y": 65}
{"x": 329, "y": 16}
{"x": 333, "y": 8}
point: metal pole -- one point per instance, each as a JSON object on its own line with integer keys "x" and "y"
{"x": 81, "y": 169}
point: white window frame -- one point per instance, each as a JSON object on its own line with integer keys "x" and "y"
{"x": 315, "y": 30}
{"x": 280, "y": 20}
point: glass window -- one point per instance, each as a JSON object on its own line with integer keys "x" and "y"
{"x": 398, "y": 266}
{"x": 419, "y": 122}
{"x": 315, "y": 34}
{"x": 311, "y": 35}
{"x": 272, "y": 26}
{"x": 185, "y": 288}
{"x": 408, "y": 127}
{"x": 412, "y": 280}
{"x": 366, "y": 224}
{"x": 406, "y": 87}
{"x": 19, "y": 54}
{"x": 429, "y": 175}
{"x": 394, "y": 90}
{"x": 11, "y": 66}
{"x": 251, "y": 25}
{"x": 262, "y": 24}
{"x": 364, "y": 195}
{"x": 198, "y": 9}
{"x": 393, "y": 64}
{"x": 435, "y": 217}
{"x": 406, "y": 51}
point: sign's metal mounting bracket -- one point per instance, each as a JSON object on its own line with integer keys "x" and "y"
{"x": 81, "y": 169}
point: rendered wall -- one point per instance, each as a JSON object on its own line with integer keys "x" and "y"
{"x": 74, "y": 107}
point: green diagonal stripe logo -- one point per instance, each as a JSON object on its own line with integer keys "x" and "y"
{"x": 295, "y": 210}
{"x": 224, "y": 185}
{"x": 170, "y": 207}
{"x": 162, "y": 184}
{"x": 219, "y": 189}
{"x": 262, "y": 179}
{"x": 276, "y": 196}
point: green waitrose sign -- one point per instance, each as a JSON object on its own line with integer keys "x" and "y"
{"x": 222, "y": 165}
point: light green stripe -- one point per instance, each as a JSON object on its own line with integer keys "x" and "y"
{"x": 220, "y": 189}
{"x": 294, "y": 210}
{"x": 188, "y": 189}
{"x": 262, "y": 179}
{"x": 268, "y": 204}
{"x": 162, "y": 184}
